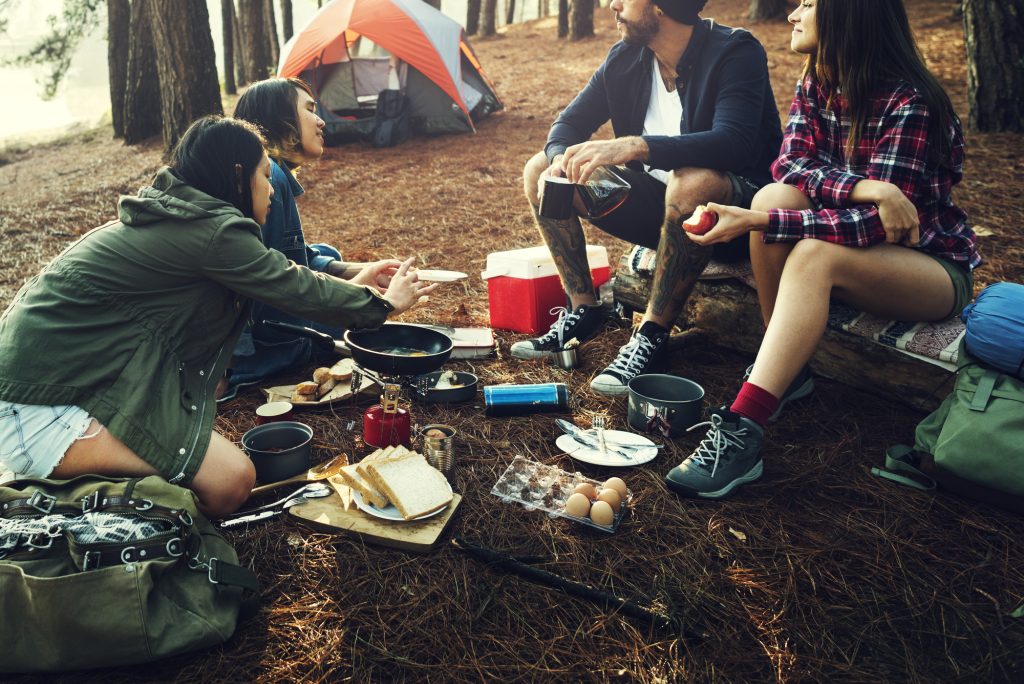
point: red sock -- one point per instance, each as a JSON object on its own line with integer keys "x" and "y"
{"x": 755, "y": 403}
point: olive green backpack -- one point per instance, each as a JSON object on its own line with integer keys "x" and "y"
{"x": 973, "y": 444}
{"x": 97, "y": 572}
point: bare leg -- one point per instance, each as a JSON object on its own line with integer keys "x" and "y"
{"x": 768, "y": 260}
{"x": 680, "y": 260}
{"x": 222, "y": 484}
{"x": 885, "y": 280}
{"x": 564, "y": 238}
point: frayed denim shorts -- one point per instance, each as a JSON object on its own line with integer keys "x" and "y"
{"x": 34, "y": 439}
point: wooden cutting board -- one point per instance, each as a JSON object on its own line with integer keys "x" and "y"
{"x": 340, "y": 514}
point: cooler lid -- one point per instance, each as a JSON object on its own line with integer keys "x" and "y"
{"x": 534, "y": 262}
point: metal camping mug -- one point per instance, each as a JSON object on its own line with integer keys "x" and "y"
{"x": 566, "y": 358}
{"x": 274, "y": 412}
{"x": 556, "y": 198}
{"x": 666, "y": 404}
{"x": 437, "y": 449}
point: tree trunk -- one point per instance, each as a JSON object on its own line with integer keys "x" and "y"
{"x": 142, "y": 89}
{"x": 271, "y": 23}
{"x": 186, "y": 63}
{"x": 254, "y": 41}
{"x": 119, "y": 17}
{"x": 287, "y": 25}
{"x": 767, "y": 10}
{"x": 236, "y": 44}
{"x": 994, "y": 37}
{"x": 582, "y": 19}
{"x": 227, "y": 20}
{"x": 510, "y": 13}
{"x": 488, "y": 26}
{"x": 472, "y": 17}
{"x": 563, "y": 18}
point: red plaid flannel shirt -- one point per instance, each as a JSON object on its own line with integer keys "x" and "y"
{"x": 893, "y": 148}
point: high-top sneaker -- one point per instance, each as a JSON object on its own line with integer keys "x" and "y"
{"x": 581, "y": 324}
{"x": 646, "y": 352}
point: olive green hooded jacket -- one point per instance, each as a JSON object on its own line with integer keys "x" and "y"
{"x": 136, "y": 321}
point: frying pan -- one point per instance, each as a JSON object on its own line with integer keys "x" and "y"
{"x": 368, "y": 348}
{"x": 450, "y": 395}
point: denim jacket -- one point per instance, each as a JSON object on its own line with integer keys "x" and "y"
{"x": 263, "y": 351}
{"x": 730, "y": 121}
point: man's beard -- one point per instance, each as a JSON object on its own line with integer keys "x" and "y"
{"x": 641, "y": 31}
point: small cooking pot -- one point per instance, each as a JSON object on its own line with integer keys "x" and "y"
{"x": 279, "y": 450}
{"x": 429, "y": 394}
{"x": 664, "y": 404}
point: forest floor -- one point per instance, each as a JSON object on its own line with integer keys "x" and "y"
{"x": 817, "y": 572}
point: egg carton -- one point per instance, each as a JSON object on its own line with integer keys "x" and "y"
{"x": 543, "y": 487}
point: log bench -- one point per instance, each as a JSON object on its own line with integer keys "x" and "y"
{"x": 905, "y": 361}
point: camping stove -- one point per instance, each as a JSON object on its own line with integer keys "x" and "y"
{"x": 385, "y": 424}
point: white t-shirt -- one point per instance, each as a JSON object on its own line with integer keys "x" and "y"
{"x": 664, "y": 112}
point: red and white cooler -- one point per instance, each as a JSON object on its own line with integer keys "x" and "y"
{"x": 523, "y": 286}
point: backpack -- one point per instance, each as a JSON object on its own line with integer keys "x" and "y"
{"x": 973, "y": 444}
{"x": 391, "y": 124}
{"x": 98, "y": 571}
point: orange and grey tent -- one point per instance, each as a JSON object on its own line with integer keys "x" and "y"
{"x": 418, "y": 49}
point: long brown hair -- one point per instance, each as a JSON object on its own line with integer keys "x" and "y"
{"x": 864, "y": 45}
{"x": 273, "y": 106}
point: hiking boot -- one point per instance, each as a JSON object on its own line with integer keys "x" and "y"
{"x": 801, "y": 387}
{"x": 582, "y": 324}
{"x": 728, "y": 456}
{"x": 646, "y": 352}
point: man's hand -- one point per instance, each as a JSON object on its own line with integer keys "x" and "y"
{"x": 579, "y": 161}
{"x": 377, "y": 274}
{"x": 733, "y": 222}
{"x": 405, "y": 289}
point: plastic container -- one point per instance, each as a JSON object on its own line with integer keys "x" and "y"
{"x": 542, "y": 487}
{"x": 523, "y": 286}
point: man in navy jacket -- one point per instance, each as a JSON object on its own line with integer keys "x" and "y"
{"x": 695, "y": 121}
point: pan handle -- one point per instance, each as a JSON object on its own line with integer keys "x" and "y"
{"x": 320, "y": 339}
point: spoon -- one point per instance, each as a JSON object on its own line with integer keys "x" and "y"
{"x": 319, "y": 472}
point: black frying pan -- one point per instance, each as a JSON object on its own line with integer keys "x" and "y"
{"x": 370, "y": 348}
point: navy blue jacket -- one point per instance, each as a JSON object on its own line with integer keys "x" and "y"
{"x": 729, "y": 122}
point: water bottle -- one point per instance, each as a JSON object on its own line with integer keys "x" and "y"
{"x": 520, "y": 400}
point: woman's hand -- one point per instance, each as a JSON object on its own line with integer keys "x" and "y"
{"x": 377, "y": 274}
{"x": 732, "y": 223}
{"x": 405, "y": 288}
{"x": 898, "y": 216}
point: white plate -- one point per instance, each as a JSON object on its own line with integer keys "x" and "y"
{"x": 440, "y": 276}
{"x": 587, "y": 454}
{"x": 389, "y": 513}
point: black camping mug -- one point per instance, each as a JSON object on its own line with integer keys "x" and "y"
{"x": 556, "y": 198}
{"x": 664, "y": 404}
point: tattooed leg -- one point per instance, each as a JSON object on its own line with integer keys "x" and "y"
{"x": 568, "y": 247}
{"x": 680, "y": 263}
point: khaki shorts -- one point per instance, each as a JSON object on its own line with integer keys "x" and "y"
{"x": 963, "y": 284}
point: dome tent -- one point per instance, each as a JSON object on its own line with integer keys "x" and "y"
{"x": 422, "y": 52}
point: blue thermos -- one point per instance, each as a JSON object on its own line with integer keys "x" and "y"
{"x": 517, "y": 400}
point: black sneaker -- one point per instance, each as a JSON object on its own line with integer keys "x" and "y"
{"x": 582, "y": 324}
{"x": 646, "y": 352}
{"x": 802, "y": 386}
{"x": 727, "y": 457}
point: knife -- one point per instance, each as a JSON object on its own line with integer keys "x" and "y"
{"x": 253, "y": 517}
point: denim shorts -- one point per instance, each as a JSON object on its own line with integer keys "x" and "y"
{"x": 34, "y": 439}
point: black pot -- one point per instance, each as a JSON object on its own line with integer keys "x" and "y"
{"x": 449, "y": 395}
{"x": 279, "y": 450}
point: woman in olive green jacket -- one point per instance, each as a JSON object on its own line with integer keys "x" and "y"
{"x": 113, "y": 353}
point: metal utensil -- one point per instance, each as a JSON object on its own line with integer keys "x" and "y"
{"x": 312, "y": 491}
{"x": 591, "y": 441}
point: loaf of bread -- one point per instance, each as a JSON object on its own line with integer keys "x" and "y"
{"x": 309, "y": 388}
{"x": 321, "y": 374}
{"x": 342, "y": 370}
{"x": 369, "y": 493}
{"x": 411, "y": 484}
{"x": 325, "y": 388}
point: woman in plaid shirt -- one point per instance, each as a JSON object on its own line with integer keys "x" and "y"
{"x": 860, "y": 211}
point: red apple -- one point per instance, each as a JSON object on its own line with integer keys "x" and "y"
{"x": 702, "y": 221}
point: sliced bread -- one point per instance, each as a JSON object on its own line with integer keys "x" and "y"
{"x": 411, "y": 484}
{"x": 369, "y": 493}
